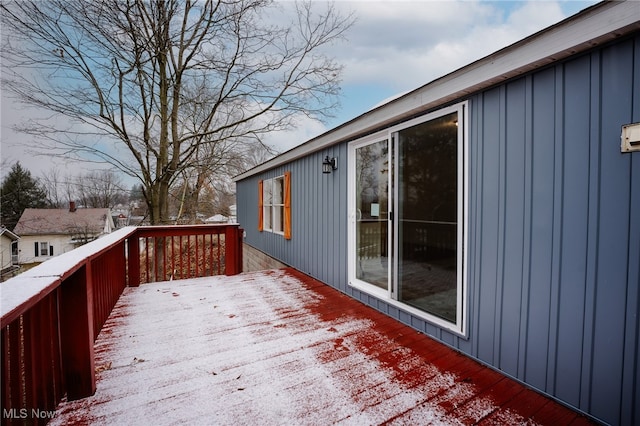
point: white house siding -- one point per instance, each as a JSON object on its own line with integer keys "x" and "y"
{"x": 26, "y": 252}
{"x": 5, "y": 252}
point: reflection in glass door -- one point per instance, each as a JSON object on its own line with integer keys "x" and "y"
{"x": 372, "y": 207}
{"x": 427, "y": 219}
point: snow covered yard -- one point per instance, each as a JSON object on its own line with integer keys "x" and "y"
{"x": 277, "y": 347}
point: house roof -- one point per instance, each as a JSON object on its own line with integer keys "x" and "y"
{"x": 62, "y": 221}
{"x": 4, "y": 231}
{"x": 216, "y": 218}
{"x": 581, "y": 32}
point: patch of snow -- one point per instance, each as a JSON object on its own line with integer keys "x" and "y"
{"x": 251, "y": 349}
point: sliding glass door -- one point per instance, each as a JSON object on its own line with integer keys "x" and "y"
{"x": 427, "y": 216}
{"x": 406, "y": 207}
{"x": 372, "y": 213}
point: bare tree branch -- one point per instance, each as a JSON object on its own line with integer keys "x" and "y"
{"x": 160, "y": 87}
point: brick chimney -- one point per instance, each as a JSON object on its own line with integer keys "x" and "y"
{"x": 72, "y": 206}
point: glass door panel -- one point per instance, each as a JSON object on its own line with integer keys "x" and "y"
{"x": 372, "y": 207}
{"x": 427, "y": 206}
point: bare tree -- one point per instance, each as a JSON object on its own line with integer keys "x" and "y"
{"x": 155, "y": 86}
{"x": 100, "y": 189}
{"x": 255, "y": 155}
{"x": 59, "y": 188}
{"x": 212, "y": 166}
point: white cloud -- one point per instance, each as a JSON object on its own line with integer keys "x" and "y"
{"x": 305, "y": 129}
{"x": 407, "y": 44}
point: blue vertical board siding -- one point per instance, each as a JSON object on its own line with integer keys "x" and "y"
{"x": 553, "y": 231}
{"x": 630, "y": 393}
{"x": 570, "y": 334}
{"x": 513, "y": 247}
{"x": 613, "y": 243}
{"x": 487, "y": 255}
{"x": 569, "y": 324}
{"x": 472, "y": 227}
{"x": 539, "y": 284}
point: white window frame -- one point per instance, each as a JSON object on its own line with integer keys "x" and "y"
{"x": 351, "y": 208}
{"x": 460, "y": 327}
{"x": 43, "y": 248}
{"x": 272, "y": 209}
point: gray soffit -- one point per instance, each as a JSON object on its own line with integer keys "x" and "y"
{"x": 590, "y": 28}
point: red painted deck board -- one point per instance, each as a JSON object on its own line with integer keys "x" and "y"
{"x": 277, "y": 347}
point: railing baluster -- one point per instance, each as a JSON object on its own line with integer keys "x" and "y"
{"x": 42, "y": 370}
{"x": 197, "y": 257}
{"x": 219, "y": 254}
{"x": 46, "y": 365}
{"x": 189, "y": 256}
{"x": 173, "y": 258}
{"x": 13, "y": 385}
{"x": 180, "y": 257}
{"x": 30, "y": 354}
{"x": 212, "y": 259}
{"x": 5, "y": 390}
{"x": 156, "y": 260}
{"x": 147, "y": 261}
{"x": 56, "y": 352}
{"x": 163, "y": 241}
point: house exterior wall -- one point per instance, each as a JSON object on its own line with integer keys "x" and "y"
{"x": 5, "y": 252}
{"x": 555, "y": 242}
{"x": 26, "y": 253}
{"x": 553, "y": 233}
{"x": 318, "y": 246}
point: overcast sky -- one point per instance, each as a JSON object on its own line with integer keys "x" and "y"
{"x": 394, "y": 47}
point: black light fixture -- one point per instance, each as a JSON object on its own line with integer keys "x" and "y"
{"x": 329, "y": 164}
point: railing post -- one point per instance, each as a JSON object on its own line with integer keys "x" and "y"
{"x": 133, "y": 268}
{"x": 233, "y": 250}
{"x": 76, "y": 325}
{"x": 239, "y": 259}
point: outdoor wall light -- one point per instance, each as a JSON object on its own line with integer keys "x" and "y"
{"x": 329, "y": 164}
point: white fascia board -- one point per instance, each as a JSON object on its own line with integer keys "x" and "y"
{"x": 9, "y": 234}
{"x": 596, "y": 25}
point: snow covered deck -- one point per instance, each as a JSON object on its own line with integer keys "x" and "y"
{"x": 277, "y": 347}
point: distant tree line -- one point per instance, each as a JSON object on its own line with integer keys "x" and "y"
{"x": 20, "y": 190}
{"x": 105, "y": 189}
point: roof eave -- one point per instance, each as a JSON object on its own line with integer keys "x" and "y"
{"x": 13, "y": 236}
{"x": 593, "y": 26}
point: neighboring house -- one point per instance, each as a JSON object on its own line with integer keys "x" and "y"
{"x": 8, "y": 252}
{"x": 218, "y": 218}
{"x": 45, "y": 233}
{"x": 120, "y": 220}
{"x": 495, "y": 209}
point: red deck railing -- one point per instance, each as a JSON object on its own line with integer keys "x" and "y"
{"x": 52, "y": 314}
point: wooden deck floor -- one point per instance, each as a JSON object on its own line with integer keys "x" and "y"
{"x": 278, "y": 348}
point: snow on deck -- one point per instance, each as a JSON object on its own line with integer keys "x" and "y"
{"x": 276, "y": 347}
